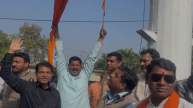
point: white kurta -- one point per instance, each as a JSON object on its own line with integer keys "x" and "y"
{"x": 183, "y": 104}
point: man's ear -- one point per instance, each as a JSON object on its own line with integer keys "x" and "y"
{"x": 120, "y": 63}
{"x": 27, "y": 64}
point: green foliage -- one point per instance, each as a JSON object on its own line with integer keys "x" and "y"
{"x": 101, "y": 63}
{"x": 130, "y": 59}
{"x": 4, "y": 43}
{"x": 34, "y": 43}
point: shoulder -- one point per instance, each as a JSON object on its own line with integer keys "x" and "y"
{"x": 54, "y": 90}
{"x": 143, "y": 102}
{"x": 131, "y": 106}
{"x": 185, "y": 104}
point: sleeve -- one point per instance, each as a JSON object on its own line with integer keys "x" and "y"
{"x": 184, "y": 89}
{"x": 13, "y": 81}
{"x": 95, "y": 93}
{"x": 59, "y": 101}
{"x": 1, "y": 85}
{"x": 91, "y": 59}
{"x": 61, "y": 65}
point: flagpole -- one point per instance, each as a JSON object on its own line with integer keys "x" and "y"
{"x": 103, "y": 21}
{"x": 104, "y": 9}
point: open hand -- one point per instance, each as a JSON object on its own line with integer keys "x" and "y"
{"x": 15, "y": 45}
{"x": 102, "y": 34}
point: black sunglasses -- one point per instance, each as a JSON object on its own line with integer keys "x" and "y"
{"x": 167, "y": 78}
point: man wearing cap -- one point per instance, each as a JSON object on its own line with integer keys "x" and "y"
{"x": 20, "y": 67}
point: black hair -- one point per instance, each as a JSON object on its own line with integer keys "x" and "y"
{"x": 23, "y": 55}
{"x": 163, "y": 63}
{"x": 153, "y": 52}
{"x": 75, "y": 58}
{"x": 44, "y": 64}
{"x": 129, "y": 78}
{"x": 116, "y": 54}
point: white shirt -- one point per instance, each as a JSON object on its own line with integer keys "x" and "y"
{"x": 1, "y": 84}
{"x": 74, "y": 89}
{"x": 183, "y": 104}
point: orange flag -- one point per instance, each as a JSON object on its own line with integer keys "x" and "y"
{"x": 59, "y": 6}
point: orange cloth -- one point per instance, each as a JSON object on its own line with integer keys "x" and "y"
{"x": 94, "y": 93}
{"x": 59, "y": 6}
{"x": 51, "y": 47}
{"x": 172, "y": 102}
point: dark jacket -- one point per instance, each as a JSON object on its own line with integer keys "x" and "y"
{"x": 32, "y": 94}
{"x": 185, "y": 89}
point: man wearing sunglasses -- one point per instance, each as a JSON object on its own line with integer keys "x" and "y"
{"x": 161, "y": 77}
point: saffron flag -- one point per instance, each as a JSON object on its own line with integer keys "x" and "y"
{"x": 59, "y": 6}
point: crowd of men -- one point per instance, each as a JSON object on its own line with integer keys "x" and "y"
{"x": 155, "y": 86}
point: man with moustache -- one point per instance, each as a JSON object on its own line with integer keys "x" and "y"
{"x": 73, "y": 77}
{"x": 161, "y": 80}
{"x": 20, "y": 67}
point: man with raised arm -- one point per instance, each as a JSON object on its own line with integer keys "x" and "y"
{"x": 20, "y": 68}
{"x": 73, "y": 77}
{"x": 33, "y": 94}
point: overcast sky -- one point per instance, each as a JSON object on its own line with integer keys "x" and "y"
{"x": 80, "y": 37}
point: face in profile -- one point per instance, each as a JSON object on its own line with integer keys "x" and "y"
{"x": 44, "y": 75}
{"x": 161, "y": 82}
{"x": 19, "y": 65}
{"x": 145, "y": 61}
{"x": 75, "y": 67}
{"x": 113, "y": 63}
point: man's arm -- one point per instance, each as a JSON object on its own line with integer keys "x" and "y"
{"x": 92, "y": 58}
{"x": 13, "y": 81}
{"x": 185, "y": 88}
{"x": 61, "y": 64}
{"x": 95, "y": 93}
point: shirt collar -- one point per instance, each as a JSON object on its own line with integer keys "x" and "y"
{"x": 38, "y": 85}
{"x": 161, "y": 105}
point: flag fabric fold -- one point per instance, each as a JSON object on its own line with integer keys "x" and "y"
{"x": 59, "y": 6}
